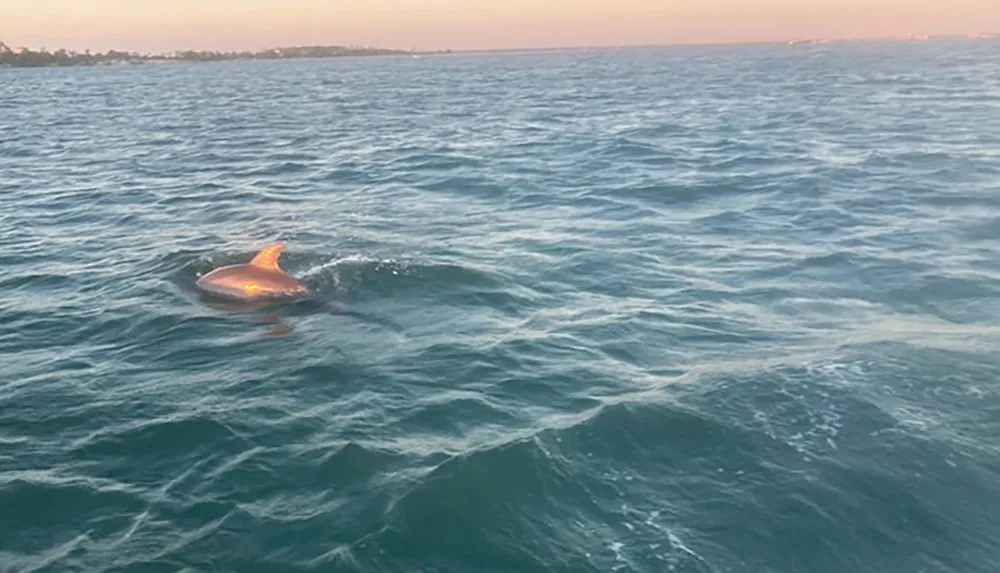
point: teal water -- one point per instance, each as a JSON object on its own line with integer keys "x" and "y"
{"x": 698, "y": 309}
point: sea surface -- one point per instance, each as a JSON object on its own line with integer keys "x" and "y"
{"x": 692, "y": 309}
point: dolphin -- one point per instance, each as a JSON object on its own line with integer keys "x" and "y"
{"x": 260, "y": 281}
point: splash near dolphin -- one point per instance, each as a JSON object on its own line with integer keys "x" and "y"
{"x": 260, "y": 280}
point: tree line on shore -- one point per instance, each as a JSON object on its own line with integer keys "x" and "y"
{"x": 25, "y": 58}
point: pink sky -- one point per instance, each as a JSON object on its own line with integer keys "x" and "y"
{"x": 155, "y": 26}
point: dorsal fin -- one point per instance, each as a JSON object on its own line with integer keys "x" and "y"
{"x": 268, "y": 257}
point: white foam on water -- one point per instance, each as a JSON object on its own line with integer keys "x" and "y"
{"x": 813, "y": 419}
{"x": 356, "y": 259}
{"x": 620, "y": 560}
{"x": 834, "y": 154}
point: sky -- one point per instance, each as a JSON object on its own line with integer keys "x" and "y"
{"x": 163, "y": 26}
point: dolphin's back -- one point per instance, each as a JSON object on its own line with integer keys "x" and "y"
{"x": 251, "y": 282}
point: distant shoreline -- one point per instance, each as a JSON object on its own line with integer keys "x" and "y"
{"x": 27, "y": 58}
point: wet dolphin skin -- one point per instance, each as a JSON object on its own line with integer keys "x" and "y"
{"x": 260, "y": 279}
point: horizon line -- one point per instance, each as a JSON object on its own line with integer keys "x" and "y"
{"x": 911, "y": 37}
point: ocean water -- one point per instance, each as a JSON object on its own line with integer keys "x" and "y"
{"x": 693, "y": 309}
